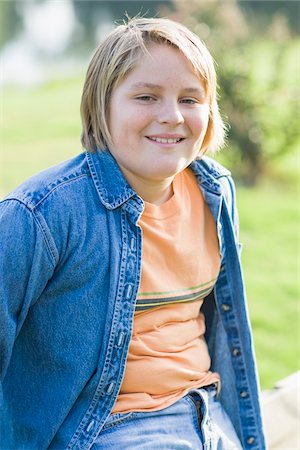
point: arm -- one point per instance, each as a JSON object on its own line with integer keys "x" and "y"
{"x": 26, "y": 265}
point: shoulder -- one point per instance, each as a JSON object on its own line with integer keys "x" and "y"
{"x": 212, "y": 167}
{"x": 215, "y": 174}
{"x": 61, "y": 177}
{"x": 53, "y": 206}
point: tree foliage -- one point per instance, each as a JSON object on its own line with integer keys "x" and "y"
{"x": 257, "y": 49}
{"x": 257, "y": 77}
{"x": 10, "y": 20}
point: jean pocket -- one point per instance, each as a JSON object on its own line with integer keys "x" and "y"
{"x": 117, "y": 419}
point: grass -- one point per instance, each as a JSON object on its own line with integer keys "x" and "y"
{"x": 269, "y": 217}
{"x": 41, "y": 126}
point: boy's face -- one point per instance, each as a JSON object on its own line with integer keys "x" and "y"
{"x": 158, "y": 118}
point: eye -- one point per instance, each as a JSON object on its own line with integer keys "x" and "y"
{"x": 189, "y": 101}
{"x": 145, "y": 98}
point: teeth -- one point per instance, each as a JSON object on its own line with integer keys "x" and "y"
{"x": 165, "y": 141}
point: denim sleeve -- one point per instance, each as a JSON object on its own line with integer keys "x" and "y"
{"x": 26, "y": 265}
{"x": 234, "y": 210}
{"x": 229, "y": 192}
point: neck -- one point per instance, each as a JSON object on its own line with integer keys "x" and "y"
{"x": 156, "y": 192}
{"x": 157, "y": 197}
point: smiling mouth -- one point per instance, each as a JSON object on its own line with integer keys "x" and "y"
{"x": 165, "y": 140}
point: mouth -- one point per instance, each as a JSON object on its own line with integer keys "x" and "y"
{"x": 161, "y": 140}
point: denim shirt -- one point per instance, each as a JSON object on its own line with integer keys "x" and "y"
{"x": 70, "y": 257}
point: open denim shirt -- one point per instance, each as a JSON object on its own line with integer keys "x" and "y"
{"x": 70, "y": 258}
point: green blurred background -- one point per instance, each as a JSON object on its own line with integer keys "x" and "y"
{"x": 257, "y": 48}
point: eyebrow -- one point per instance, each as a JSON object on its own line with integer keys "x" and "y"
{"x": 189, "y": 90}
{"x": 142, "y": 84}
{"x": 196, "y": 90}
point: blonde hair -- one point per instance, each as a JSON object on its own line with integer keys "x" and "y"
{"x": 119, "y": 53}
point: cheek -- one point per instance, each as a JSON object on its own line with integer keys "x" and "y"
{"x": 119, "y": 125}
{"x": 199, "y": 125}
{"x": 135, "y": 123}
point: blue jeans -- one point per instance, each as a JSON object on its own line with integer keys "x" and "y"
{"x": 197, "y": 421}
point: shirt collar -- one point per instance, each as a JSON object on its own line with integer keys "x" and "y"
{"x": 208, "y": 171}
{"x": 114, "y": 190}
{"x": 111, "y": 185}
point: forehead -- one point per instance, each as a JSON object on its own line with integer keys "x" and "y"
{"x": 163, "y": 62}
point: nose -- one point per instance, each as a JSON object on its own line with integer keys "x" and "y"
{"x": 169, "y": 113}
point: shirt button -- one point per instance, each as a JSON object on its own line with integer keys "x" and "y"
{"x": 235, "y": 352}
{"x": 129, "y": 291}
{"x": 121, "y": 339}
{"x": 132, "y": 243}
{"x": 250, "y": 440}
{"x": 243, "y": 394}
{"x": 225, "y": 307}
{"x": 110, "y": 388}
{"x": 90, "y": 426}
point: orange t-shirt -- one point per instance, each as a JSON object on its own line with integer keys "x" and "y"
{"x": 168, "y": 354}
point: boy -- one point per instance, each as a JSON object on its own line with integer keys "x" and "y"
{"x": 127, "y": 326}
